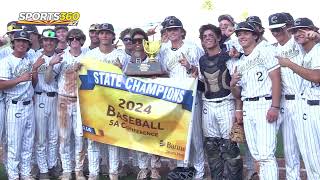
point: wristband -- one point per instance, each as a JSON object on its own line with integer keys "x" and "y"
{"x": 239, "y": 110}
{"x": 276, "y": 107}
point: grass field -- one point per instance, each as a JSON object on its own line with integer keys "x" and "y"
{"x": 279, "y": 154}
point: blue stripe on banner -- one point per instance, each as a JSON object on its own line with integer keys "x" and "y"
{"x": 88, "y": 129}
{"x": 136, "y": 86}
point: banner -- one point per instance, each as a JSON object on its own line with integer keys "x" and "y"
{"x": 143, "y": 114}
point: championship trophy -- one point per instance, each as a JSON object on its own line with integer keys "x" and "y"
{"x": 152, "y": 67}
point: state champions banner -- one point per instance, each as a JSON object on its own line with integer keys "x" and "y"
{"x": 143, "y": 114}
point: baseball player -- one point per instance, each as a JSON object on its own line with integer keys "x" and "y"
{"x": 256, "y": 22}
{"x": 18, "y": 75}
{"x": 218, "y": 108}
{"x": 181, "y": 61}
{"x": 108, "y": 54}
{"x": 66, "y": 66}
{"x": 137, "y": 36}
{"x": 256, "y": 80}
{"x": 6, "y": 51}
{"x": 125, "y": 153}
{"x": 93, "y": 35}
{"x": 127, "y": 41}
{"x": 287, "y": 47}
{"x": 306, "y": 121}
{"x": 46, "y": 140}
{"x": 34, "y": 36}
{"x": 62, "y": 32}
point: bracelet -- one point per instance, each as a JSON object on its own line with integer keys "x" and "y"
{"x": 276, "y": 107}
{"x": 239, "y": 110}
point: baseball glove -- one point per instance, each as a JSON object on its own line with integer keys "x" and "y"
{"x": 237, "y": 133}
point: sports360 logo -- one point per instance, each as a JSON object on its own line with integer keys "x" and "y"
{"x": 49, "y": 18}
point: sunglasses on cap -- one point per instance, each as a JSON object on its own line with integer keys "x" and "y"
{"x": 74, "y": 38}
{"x": 49, "y": 34}
{"x": 138, "y": 40}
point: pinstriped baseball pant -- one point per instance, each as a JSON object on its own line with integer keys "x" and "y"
{"x": 2, "y": 118}
{"x": 291, "y": 149}
{"x": 68, "y": 124}
{"x": 307, "y": 127}
{"x": 20, "y": 134}
{"x": 46, "y": 141}
{"x": 217, "y": 118}
{"x": 261, "y": 137}
{"x": 94, "y": 151}
{"x": 144, "y": 159}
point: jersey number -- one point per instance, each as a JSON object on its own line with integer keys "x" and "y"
{"x": 259, "y": 74}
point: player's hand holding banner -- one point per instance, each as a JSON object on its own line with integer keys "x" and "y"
{"x": 149, "y": 115}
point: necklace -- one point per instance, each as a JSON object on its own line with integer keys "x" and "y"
{"x": 174, "y": 49}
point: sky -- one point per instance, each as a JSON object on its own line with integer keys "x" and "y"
{"x": 148, "y": 13}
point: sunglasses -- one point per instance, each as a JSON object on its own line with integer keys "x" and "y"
{"x": 127, "y": 39}
{"x": 74, "y": 38}
{"x": 138, "y": 40}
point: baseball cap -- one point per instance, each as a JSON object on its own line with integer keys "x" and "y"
{"x": 106, "y": 27}
{"x": 13, "y": 26}
{"x": 290, "y": 19}
{"x": 49, "y": 34}
{"x": 254, "y": 19}
{"x": 166, "y": 20}
{"x": 303, "y": 23}
{"x": 173, "y": 23}
{"x": 31, "y": 29}
{"x": 277, "y": 20}
{"x": 245, "y": 26}
{"x": 57, "y": 27}
{"x": 94, "y": 27}
{"x": 226, "y": 17}
{"x": 23, "y": 35}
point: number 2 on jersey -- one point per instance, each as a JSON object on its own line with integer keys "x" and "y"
{"x": 259, "y": 74}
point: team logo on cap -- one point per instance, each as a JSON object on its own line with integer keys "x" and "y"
{"x": 171, "y": 22}
{"x": 23, "y": 34}
{"x": 49, "y": 18}
{"x": 297, "y": 22}
{"x": 274, "y": 19}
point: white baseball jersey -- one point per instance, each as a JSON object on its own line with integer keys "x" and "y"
{"x": 42, "y": 86}
{"x": 112, "y": 57}
{"x": 311, "y": 90}
{"x": 291, "y": 82}
{"x": 67, "y": 75}
{"x": 254, "y": 70}
{"x": 170, "y": 59}
{"x": 13, "y": 67}
{"x": 86, "y": 49}
{"x": 233, "y": 42}
{"x": 4, "y": 52}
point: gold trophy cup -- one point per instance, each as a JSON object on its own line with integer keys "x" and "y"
{"x": 151, "y": 68}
